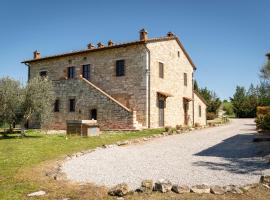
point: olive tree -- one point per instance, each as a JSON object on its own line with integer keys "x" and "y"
{"x": 38, "y": 100}
{"x": 10, "y": 101}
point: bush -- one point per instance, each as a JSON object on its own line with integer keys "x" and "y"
{"x": 210, "y": 116}
{"x": 178, "y": 127}
{"x": 197, "y": 125}
{"x": 263, "y": 122}
{"x": 262, "y": 110}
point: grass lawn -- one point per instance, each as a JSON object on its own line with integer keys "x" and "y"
{"x": 20, "y": 156}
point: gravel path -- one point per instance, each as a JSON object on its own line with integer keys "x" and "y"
{"x": 221, "y": 155}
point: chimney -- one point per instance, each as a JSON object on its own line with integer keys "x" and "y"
{"x": 37, "y": 55}
{"x": 110, "y": 43}
{"x": 90, "y": 46}
{"x": 100, "y": 45}
{"x": 170, "y": 34}
{"x": 143, "y": 35}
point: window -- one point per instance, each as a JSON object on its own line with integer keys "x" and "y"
{"x": 71, "y": 72}
{"x": 86, "y": 71}
{"x": 161, "y": 70}
{"x": 93, "y": 114}
{"x": 43, "y": 73}
{"x": 200, "y": 111}
{"x": 185, "y": 79}
{"x": 72, "y": 105}
{"x": 120, "y": 67}
{"x": 56, "y": 105}
{"x": 178, "y": 53}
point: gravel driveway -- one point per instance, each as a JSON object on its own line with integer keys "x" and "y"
{"x": 221, "y": 155}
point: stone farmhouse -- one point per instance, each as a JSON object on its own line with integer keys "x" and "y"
{"x": 146, "y": 83}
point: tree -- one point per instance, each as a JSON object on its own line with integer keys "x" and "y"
{"x": 213, "y": 102}
{"x": 245, "y": 103}
{"x": 228, "y": 108}
{"x": 10, "y": 101}
{"x": 38, "y": 101}
{"x": 196, "y": 86}
{"x": 19, "y": 103}
{"x": 265, "y": 71}
{"x": 238, "y": 100}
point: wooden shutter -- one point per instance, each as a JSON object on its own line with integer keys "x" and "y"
{"x": 161, "y": 70}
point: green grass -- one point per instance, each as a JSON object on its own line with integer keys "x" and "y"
{"x": 17, "y": 154}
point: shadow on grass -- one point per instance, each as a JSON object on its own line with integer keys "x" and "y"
{"x": 18, "y": 136}
{"x": 239, "y": 153}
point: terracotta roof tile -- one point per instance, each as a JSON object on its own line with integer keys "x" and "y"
{"x": 112, "y": 47}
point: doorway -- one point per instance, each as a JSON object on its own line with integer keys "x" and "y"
{"x": 186, "y": 106}
{"x": 93, "y": 114}
{"x": 161, "y": 106}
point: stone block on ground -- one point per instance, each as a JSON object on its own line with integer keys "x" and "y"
{"x": 265, "y": 180}
{"x": 147, "y": 184}
{"x": 163, "y": 186}
{"x": 200, "y": 189}
{"x": 217, "y": 190}
{"x": 119, "y": 190}
{"x": 180, "y": 189}
{"x": 38, "y": 193}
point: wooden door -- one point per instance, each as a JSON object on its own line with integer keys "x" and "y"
{"x": 185, "y": 105}
{"x": 161, "y": 105}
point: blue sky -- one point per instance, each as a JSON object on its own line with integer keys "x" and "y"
{"x": 227, "y": 40}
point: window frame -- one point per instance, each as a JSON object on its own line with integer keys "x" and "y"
{"x": 72, "y": 105}
{"x": 86, "y": 70}
{"x": 56, "y": 105}
{"x": 42, "y": 71}
{"x": 161, "y": 69}
{"x": 120, "y": 68}
{"x": 71, "y": 72}
{"x": 185, "y": 79}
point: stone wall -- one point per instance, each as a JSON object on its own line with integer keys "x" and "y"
{"x": 110, "y": 114}
{"x": 173, "y": 82}
{"x": 201, "y": 120}
{"x": 130, "y": 89}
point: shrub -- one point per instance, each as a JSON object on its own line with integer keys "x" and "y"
{"x": 210, "y": 116}
{"x": 178, "y": 127}
{"x": 197, "y": 125}
{"x": 262, "y": 110}
{"x": 263, "y": 122}
{"x": 168, "y": 128}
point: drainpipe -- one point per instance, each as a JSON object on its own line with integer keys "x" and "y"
{"x": 193, "y": 113}
{"x": 148, "y": 84}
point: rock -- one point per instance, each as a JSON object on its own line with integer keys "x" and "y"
{"x": 145, "y": 139}
{"x": 163, "y": 186}
{"x": 108, "y": 145}
{"x": 233, "y": 189}
{"x": 38, "y": 193}
{"x": 265, "y": 180}
{"x": 120, "y": 198}
{"x": 147, "y": 184}
{"x": 119, "y": 190}
{"x": 217, "y": 190}
{"x": 178, "y": 131}
{"x": 249, "y": 186}
{"x": 180, "y": 189}
{"x": 200, "y": 189}
{"x": 121, "y": 143}
{"x": 267, "y": 186}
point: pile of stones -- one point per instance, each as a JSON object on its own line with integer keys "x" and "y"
{"x": 164, "y": 186}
